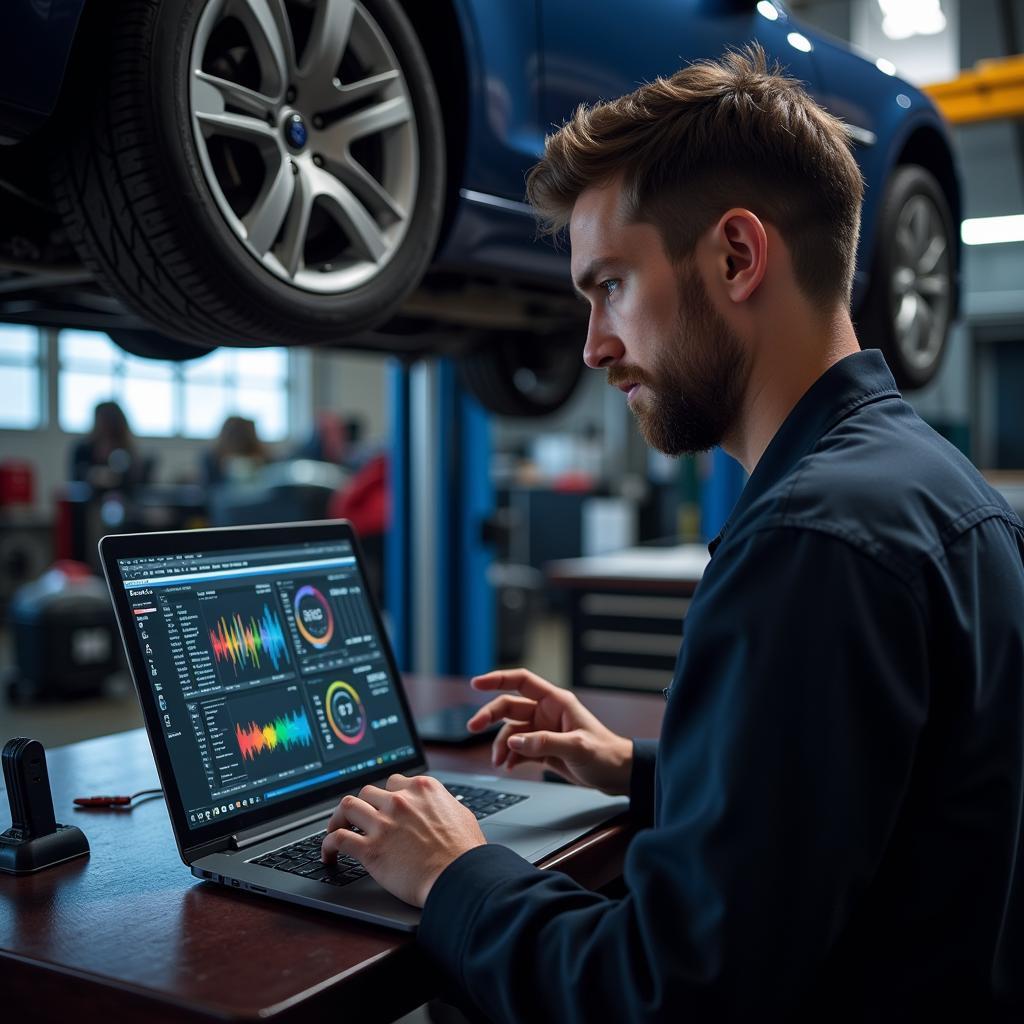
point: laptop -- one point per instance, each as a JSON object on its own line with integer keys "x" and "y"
{"x": 269, "y": 691}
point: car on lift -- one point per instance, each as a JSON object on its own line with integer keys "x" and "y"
{"x": 185, "y": 174}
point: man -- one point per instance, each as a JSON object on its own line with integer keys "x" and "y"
{"x": 836, "y": 801}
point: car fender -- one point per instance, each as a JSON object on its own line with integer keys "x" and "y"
{"x": 35, "y": 47}
{"x": 503, "y": 64}
{"x": 888, "y": 114}
{"x": 923, "y": 137}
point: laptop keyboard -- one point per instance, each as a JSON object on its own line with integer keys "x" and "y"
{"x": 483, "y": 802}
{"x": 303, "y": 857}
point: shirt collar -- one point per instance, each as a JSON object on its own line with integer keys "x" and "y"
{"x": 844, "y": 387}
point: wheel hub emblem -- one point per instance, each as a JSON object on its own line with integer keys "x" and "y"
{"x": 295, "y": 131}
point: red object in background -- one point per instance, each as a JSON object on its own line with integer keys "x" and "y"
{"x": 17, "y": 482}
{"x": 365, "y": 500}
{"x": 72, "y": 570}
{"x": 573, "y": 482}
{"x": 63, "y": 529}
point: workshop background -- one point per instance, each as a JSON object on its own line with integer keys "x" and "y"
{"x": 338, "y": 306}
{"x": 552, "y": 538}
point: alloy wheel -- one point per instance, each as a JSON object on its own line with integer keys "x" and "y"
{"x": 920, "y": 282}
{"x": 306, "y": 135}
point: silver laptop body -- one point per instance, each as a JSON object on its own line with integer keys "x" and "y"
{"x": 270, "y": 690}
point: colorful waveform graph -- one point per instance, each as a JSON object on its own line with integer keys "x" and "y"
{"x": 285, "y": 731}
{"x": 245, "y": 643}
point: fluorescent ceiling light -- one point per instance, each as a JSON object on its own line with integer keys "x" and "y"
{"x": 885, "y": 65}
{"x": 799, "y": 42}
{"x": 904, "y": 18}
{"x": 767, "y": 10}
{"x": 990, "y": 230}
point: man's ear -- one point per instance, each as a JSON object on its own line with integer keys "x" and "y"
{"x": 741, "y": 250}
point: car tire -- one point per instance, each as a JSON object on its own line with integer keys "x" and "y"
{"x": 153, "y": 184}
{"x": 153, "y": 345}
{"x": 521, "y": 375}
{"x": 908, "y": 308}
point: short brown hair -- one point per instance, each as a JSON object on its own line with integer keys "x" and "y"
{"x": 717, "y": 134}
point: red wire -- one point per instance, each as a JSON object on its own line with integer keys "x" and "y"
{"x": 111, "y": 801}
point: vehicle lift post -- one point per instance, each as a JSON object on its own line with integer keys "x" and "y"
{"x": 719, "y": 491}
{"x": 439, "y": 599}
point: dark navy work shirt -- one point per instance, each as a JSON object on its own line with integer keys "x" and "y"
{"x": 836, "y": 799}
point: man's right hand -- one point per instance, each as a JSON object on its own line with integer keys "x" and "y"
{"x": 548, "y": 724}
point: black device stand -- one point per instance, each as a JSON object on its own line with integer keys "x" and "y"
{"x": 35, "y": 840}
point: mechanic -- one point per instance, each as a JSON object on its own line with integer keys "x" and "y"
{"x": 833, "y": 812}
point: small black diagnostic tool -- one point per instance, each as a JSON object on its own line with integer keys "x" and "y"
{"x": 35, "y": 840}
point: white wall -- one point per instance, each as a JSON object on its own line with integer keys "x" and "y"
{"x": 353, "y": 384}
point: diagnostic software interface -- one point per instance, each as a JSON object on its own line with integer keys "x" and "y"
{"x": 267, "y": 670}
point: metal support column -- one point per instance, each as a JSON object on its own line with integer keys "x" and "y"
{"x": 476, "y": 642}
{"x": 397, "y": 571}
{"x": 438, "y": 561}
{"x": 719, "y": 491}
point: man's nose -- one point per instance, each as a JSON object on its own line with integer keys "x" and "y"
{"x": 603, "y": 347}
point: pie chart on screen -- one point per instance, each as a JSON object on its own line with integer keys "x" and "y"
{"x": 345, "y": 712}
{"x": 313, "y": 617}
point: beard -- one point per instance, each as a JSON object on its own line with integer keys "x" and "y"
{"x": 696, "y": 386}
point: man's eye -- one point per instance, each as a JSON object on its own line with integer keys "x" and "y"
{"x": 609, "y": 285}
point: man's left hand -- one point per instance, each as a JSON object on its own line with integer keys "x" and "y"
{"x": 413, "y": 830}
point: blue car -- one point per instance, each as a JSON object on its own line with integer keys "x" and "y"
{"x": 192, "y": 173}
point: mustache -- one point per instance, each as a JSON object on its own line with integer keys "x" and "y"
{"x": 618, "y": 375}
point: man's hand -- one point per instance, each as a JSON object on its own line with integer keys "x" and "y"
{"x": 412, "y": 831}
{"x": 548, "y": 724}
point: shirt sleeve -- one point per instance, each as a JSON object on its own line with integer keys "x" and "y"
{"x": 785, "y": 754}
{"x": 641, "y": 782}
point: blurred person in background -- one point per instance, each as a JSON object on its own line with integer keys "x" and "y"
{"x": 336, "y": 439}
{"x": 108, "y": 458}
{"x": 237, "y": 455}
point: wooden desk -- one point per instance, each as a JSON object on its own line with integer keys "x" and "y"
{"x": 128, "y": 931}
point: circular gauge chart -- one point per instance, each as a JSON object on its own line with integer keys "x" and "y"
{"x": 345, "y": 712}
{"x": 313, "y": 617}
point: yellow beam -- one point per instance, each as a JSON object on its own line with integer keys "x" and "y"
{"x": 992, "y": 89}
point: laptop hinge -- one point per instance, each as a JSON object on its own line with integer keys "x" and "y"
{"x": 252, "y": 836}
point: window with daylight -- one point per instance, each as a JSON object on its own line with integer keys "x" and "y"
{"x": 167, "y": 399}
{"x": 251, "y": 382}
{"x": 22, "y": 380}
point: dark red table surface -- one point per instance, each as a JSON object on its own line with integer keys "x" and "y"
{"x": 129, "y": 932}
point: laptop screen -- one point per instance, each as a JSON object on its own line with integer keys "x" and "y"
{"x": 267, "y": 670}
